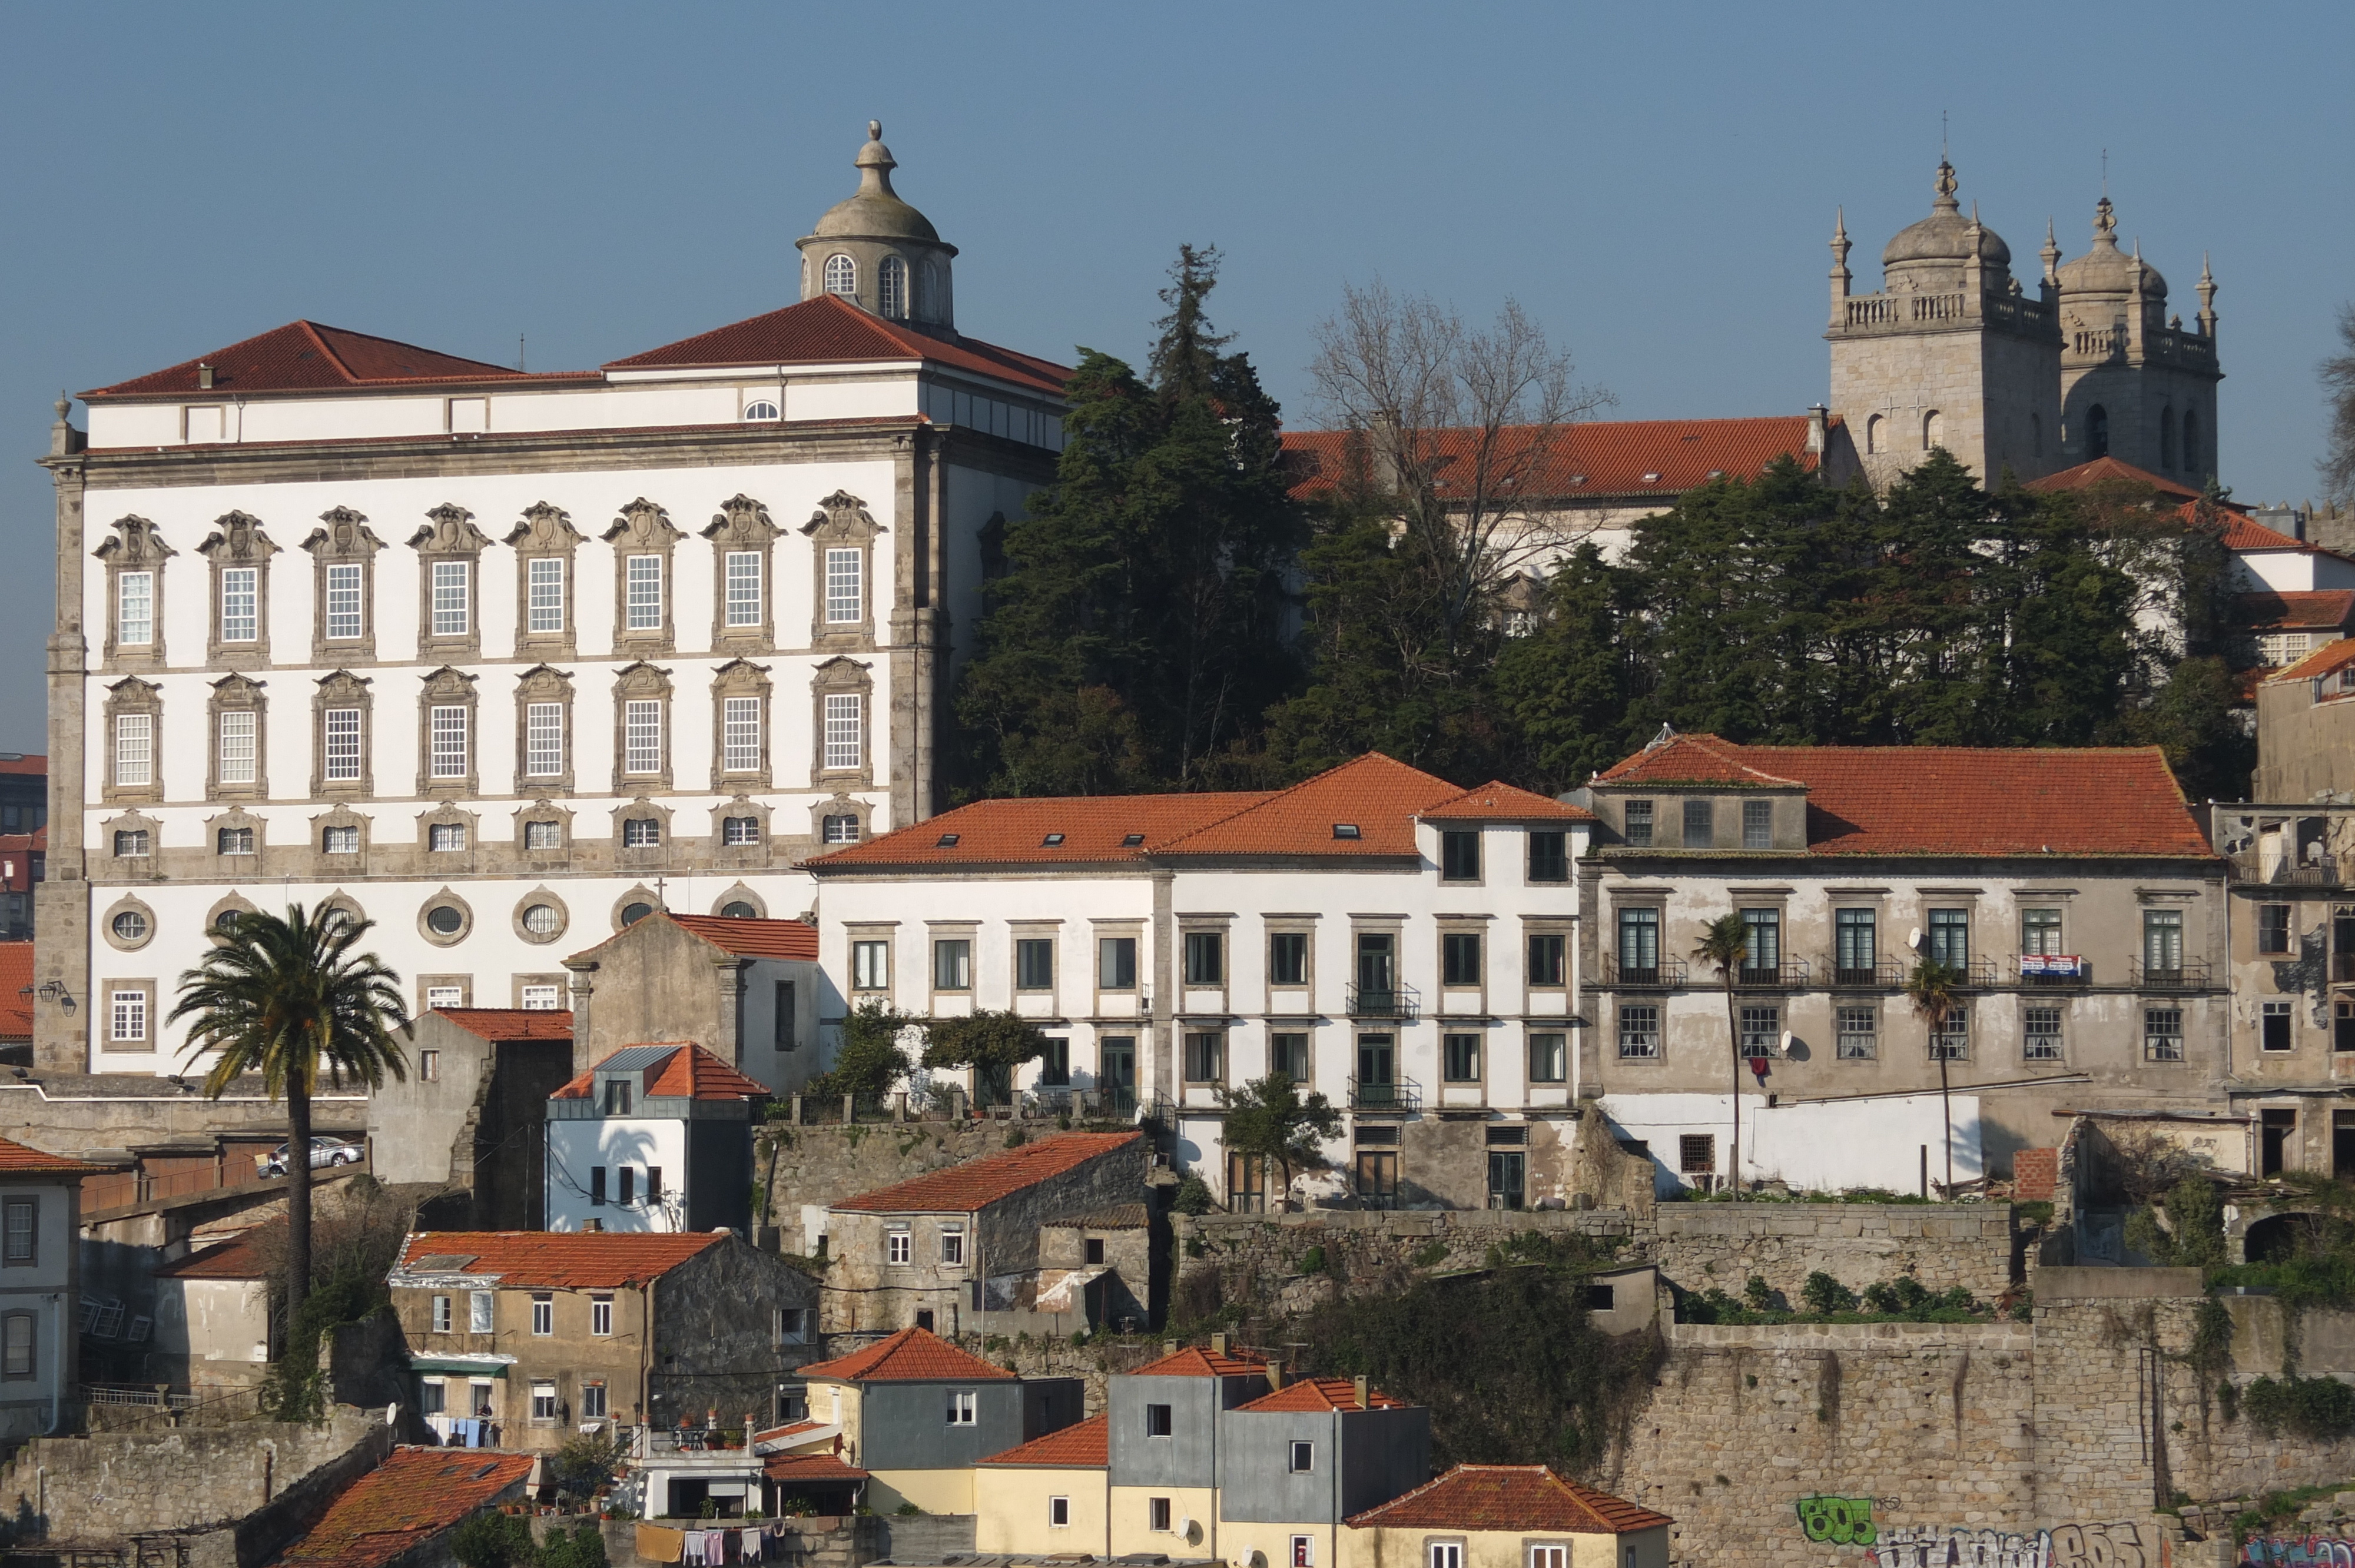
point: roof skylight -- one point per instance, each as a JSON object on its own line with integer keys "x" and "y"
{"x": 1346, "y": 830}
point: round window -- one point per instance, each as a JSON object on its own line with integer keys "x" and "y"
{"x": 740, "y": 910}
{"x": 226, "y": 919}
{"x": 445, "y": 919}
{"x": 131, "y": 926}
{"x": 542, "y": 920}
{"x": 633, "y": 913}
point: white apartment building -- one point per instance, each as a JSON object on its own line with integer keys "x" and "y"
{"x": 504, "y": 659}
{"x": 1403, "y": 946}
{"x": 42, "y": 1314}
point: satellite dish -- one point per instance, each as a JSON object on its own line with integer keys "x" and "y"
{"x": 1788, "y": 1040}
{"x": 1252, "y": 1557}
{"x": 1188, "y": 1530}
{"x": 1913, "y": 938}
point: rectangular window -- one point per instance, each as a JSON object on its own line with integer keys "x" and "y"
{"x": 1639, "y": 823}
{"x": 1446, "y": 1555}
{"x": 430, "y": 1395}
{"x": 441, "y": 1314}
{"x": 131, "y": 843}
{"x": 1762, "y": 955}
{"x": 135, "y": 609}
{"x": 1157, "y": 1509}
{"x": 1205, "y": 1056}
{"x": 871, "y": 966}
{"x": 24, "y": 1232}
{"x": 1459, "y": 856}
{"x": 128, "y": 1024}
{"x": 1859, "y": 1034}
{"x": 444, "y": 996}
{"x": 1206, "y": 957}
{"x": 1639, "y": 1031}
{"x": 641, "y": 833}
{"x": 17, "y": 1345}
{"x": 1762, "y": 1029}
{"x": 450, "y": 754}
{"x": 1034, "y": 964}
{"x": 1460, "y": 1061}
{"x": 445, "y": 836}
{"x": 642, "y": 734}
{"x": 2040, "y": 1035}
{"x": 340, "y": 731}
{"x": 1757, "y": 824}
{"x": 1058, "y": 1513}
{"x": 453, "y": 598}
{"x": 1950, "y": 938}
{"x": 1700, "y": 825}
{"x": 1157, "y": 1424}
{"x": 1856, "y": 940}
{"x": 1951, "y": 1040}
{"x": 953, "y": 964}
{"x": 2273, "y": 928}
{"x": 2275, "y": 1020}
{"x": 1695, "y": 1153}
{"x": 1549, "y": 1058}
{"x": 793, "y": 1326}
{"x": 962, "y": 1403}
{"x": 479, "y": 1318}
{"x": 1459, "y": 956}
{"x": 1287, "y": 1053}
{"x": 1551, "y": 1556}
{"x": 1287, "y": 957}
{"x": 2162, "y": 942}
{"x": 544, "y": 593}
{"x": 1304, "y": 1458}
{"x": 596, "y": 1186}
{"x": 543, "y": 1316}
{"x": 953, "y": 1244}
{"x": 2040, "y": 933}
{"x": 429, "y": 1067}
{"x": 339, "y": 841}
{"x": 1055, "y": 1062}
{"x": 543, "y": 1400}
{"x": 2162, "y": 1033}
{"x": 543, "y": 740}
{"x": 241, "y": 591}
{"x": 743, "y": 587}
{"x": 845, "y": 594}
{"x": 786, "y": 1013}
{"x": 135, "y": 751}
{"x": 543, "y": 835}
{"x": 643, "y": 595}
{"x": 344, "y": 617}
{"x": 1549, "y": 855}
{"x": 592, "y": 1401}
{"x": 234, "y": 840}
{"x": 542, "y": 998}
{"x": 1549, "y": 960}
{"x": 238, "y": 755}
{"x": 1304, "y": 1551}
{"x": 626, "y": 1185}
{"x": 846, "y": 730}
{"x": 740, "y": 735}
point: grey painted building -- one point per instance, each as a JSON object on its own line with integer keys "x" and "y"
{"x": 1318, "y": 1450}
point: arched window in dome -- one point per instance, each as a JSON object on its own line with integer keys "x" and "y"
{"x": 1931, "y": 430}
{"x": 2097, "y": 432}
{"x": 2167, "y": 438}
{"x": 1873, "y": 434}
{"x": 841, "y": 275}
{"x": 2192, "y": 443}
{"x": 892, "y": 287}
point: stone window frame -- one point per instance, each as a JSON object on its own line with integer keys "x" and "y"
{"x": 1444, "y": 927}
{"x": 137, "y": 546}
{"x": 431, "y": 861}
{"x": 561, "y": 980}
{"x": 543, "y": 810}
{"x": 539, "y": 895}
{"x": 641, "y": 857}
{"x": 886, "y": 932}
{"x": 1562, "y": 926}
{"x": 741, "y": 892}
{"x": 642, "y": 682}
{"x": 741, "y": 857}
{"x": 840, "y": 676}
{"x": 128, "y": 903}
{"x": 1294, "y": 924}
{"x": 345, "y": 540}
{"x": 1481, "y": 1033}
{"x": 842, "y": 522}
{"x": 340, "y": 816}
{"x": 133, "y": 821}
{"x": 102, "y": 1025}
{"x": 638, "y": 893}
{"x": 237, "y": 540}
{"x": 239, "y": 694}
{"x": 742, "y": 678}
{"x": 1047, "y": 928}
{"x": 445, "y": 896}
{"x": 340, "y": 690}
{"x": 222, "y": 906}
{"x": 339, "y": 899}
{"x": 134, "y": 695}
{"x": 428, "y": 984}
{"x": 546, "y": 532}
{"x": 236, "y": 819}
{"x": 448, "y": 687}
{"x": 644, "y": 529}
{"x": 839, "y": 805}
{"x": 544, "y": 683}
{"x": 743, "y": 525}
{"x": 449, "y": 535}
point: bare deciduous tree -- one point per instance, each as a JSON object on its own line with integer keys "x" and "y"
{"x": 2338, "y": 464}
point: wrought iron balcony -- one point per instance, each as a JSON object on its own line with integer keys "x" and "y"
{"x": 2282, "y": 870}
{"x": 2185, "y": 974}
{"x": 1879, "y": 974}
{"x": 1664, "y": 974}
{"x": 1791, "y": 974}
{"x": 1385, "y": 1095}
{"x": 1399, "y": 1001}
{"x": 2051, "y": 969}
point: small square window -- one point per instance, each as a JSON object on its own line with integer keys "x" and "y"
{"x": 2039, "y": 1031}
{"x": 1700, "y": 825}
{"x": 1549, "y": 855}
{"x": 2273, "y": 928}
{"x": 962, "y": 1403}
{"x": 747, "y": 830}
{"x": 2278, "y": 1019}
{"x": 339, "y": 841}
{"x": 1549, "y": 1058}
{"x": 1156, "y": 1421}
{"x": 1304, "y": 1458}
{"x": 1639, "y": 823}
{"x": 1058, "y": 1513}
{"x": 1757, "y": 824}
{"x": 1034, "y": 964}
{"x": 952, "y": 1246}
{"x": 1459, "y": 856}
{"x": 1697, "y": 1153}
{"x": 1459, "y": 954}
{"x": 442, "y": 837}
{"x": 899, "y": 1247}
{"x": 543, "y": 835}
{"x": 1157, "y": 1509}
{"x": 1462, "y": 1063}
{"x": 131, "y": 844}
{"x": 1639, "y": 1031}
{"x": 871, "y": 966}
{"x": 1287, "y": 957}
{"x": 641, "y": 833}
{"x": 235, "y": 840}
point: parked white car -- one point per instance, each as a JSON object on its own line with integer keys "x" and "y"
{"x": 324, "y": 1152}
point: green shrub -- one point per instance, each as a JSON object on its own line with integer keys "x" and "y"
{"x": 493, "y": 1540}
{"x": 909, "y": 1510}
{"x": 1430, "y": 1255}
{"x": 2321, "y": 1408}
{"x": 1192, "y": 1197}
{"x": 583, "y": 1546}
{"x": 1757, "y": 1292}
{"x": 2035, "y": 1212}
{"x": 1824, "y": 1294}
{"x": 1313, "y": 1260}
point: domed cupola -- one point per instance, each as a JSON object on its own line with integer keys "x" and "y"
{"x": 2109, "y": 271}
{"x": 877, "y": 252}
{"x": 1931, "y": 257}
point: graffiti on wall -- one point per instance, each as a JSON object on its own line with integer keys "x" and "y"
{"x": 1843, "y": 1521}
{"x": 1848, "y": 1521}
{"x": 2299, "y": 1552}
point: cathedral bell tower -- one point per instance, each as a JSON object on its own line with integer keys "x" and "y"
{"x": 2136, "y": 385}
{"x": 880, "y": 253}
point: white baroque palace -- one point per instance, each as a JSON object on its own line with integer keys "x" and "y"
{"x": 501, "y": 659}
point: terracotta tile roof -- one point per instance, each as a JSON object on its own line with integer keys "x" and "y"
{"x": 1195, "y": 1361}
{"x": 25, "y": 762}
{"x": 1378, "y": 796}
{"x": 22, "y": 1159}
{"x": 306, "y": 356}
{"x": 1014, "y": 832}
{"x": 562, "y": 1260}
{"x": 741, "y": 938}
{"x": 911, "y": 1355}
{"x": 1086, "y": 1444}
{"x": 2110, "y": 470}
{"x": 1646, "y": 458}
{"x": 1497, "y": 801}
{"x": 415, "y": 1494}
{"x": 2328, "y": 609}
{"x": 502, "y": 1023}
{"x": 1323, "y": 1394}
{"x": 793, "y": 1432}
{"x": 688, "y": 1072}
{"x": 828, "y": 329}
{"x": 1963, "y": 801}
{"x": 2243, "y": 534}
{"x": 242, "y": 1256}
{"x": 1692, "y": 759}
{"x": 2323, "y": 661}
{"x": 963, "y": 1189}
{"x": 1119, "y": 1217}
{"x": 15, "y": 988}
{"x": 809, "y": 1468}
{"x": 1509, "y": 1497}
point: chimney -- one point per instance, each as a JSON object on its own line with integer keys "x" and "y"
{"x": 1365, "y": 1395}
{"x": 1217, "y": 1344}
{"x": 1818, "y": 428}
{"x": 1168, "y": 1346}
{"x": 204, "y": 377}
{"x": 592, "y": 1225}
{"x": 1275, "y": 1376}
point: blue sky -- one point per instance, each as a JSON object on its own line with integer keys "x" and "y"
{"x": 1654, "y": 183}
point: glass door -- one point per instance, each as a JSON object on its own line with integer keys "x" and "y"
{"x": 1118, "y": 1077}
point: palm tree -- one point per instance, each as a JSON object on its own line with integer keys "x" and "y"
{"x": 1724, "y": 941}
{"x": 288, "y": 999}
{"x": 1935, "y": 990}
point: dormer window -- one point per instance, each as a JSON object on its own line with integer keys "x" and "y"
{"x": 761, "y": 408}
{"x": 948, "y": 840}
{"x": 1346, "y": 830}
{"x": 617, "y": 1096}
{"x": 841, "y": 275}
{"x": 1050, "y": 840}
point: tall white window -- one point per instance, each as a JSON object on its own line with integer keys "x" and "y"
{"x": 642, "y": 736}
{"x": 841, "y": 275}
{"x": 344, "y": 617}
{"x": 891, "y": 288}
{"x": 543, "y": 740}
{"x": 448, "y": 727}
{"x": 740, "y": 735}
{"x": 135, "y": 609}
{"x": 643, "y": 599}
{"x": 129, "y": 1024}
{"x": 743, "y": 587}
{"x": 453, "y": 598}
{"x": 240, "y": 604}
{"x": 845, "y": 730}
{"x": 544, "y": 593}
{"x": 845, "y": 597}
{"x": 341, "y": 733}
{"x": 135, "y": 751}
{"x": 236, "y": 750}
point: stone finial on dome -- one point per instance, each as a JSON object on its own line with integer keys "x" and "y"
{"x": 1946, "y": 186}
{"x": 2052, "y": 255}
{"x": 2206, "y": 290}
{"x": 2105, "y": 221}
{"x": 875, "y": 164}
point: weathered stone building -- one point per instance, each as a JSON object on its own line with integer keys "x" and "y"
{"x": 471, "y": 1114}
{"x": 743, "y": 987}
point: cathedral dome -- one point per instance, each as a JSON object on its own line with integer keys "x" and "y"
{"x": 2105, "y": 268}
{"x": 875, "y": 211}
{"x": 1944, "y": 237}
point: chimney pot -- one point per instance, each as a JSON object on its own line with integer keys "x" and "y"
{"x": 1217, "y": 1344}
{"x": 1168, "y": 1346}
{"x": 1365, "y": 1395}
{"x": 205, "y": 377}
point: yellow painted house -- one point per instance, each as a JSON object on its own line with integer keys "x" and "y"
{"x": 1050, "y": 1497}
{"x": 1505, "y": 1516}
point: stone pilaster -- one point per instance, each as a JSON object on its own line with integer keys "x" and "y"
{"x": 62, "y": 1021}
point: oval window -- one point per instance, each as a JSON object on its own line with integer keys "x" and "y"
{"x": 226, "y": 919}
{"x": 633, "y": 913}
{"x": 131, "y": 926}
{"x": 740, "y": 910}
{"x": 445, "y": 920}
{"x": 542, "y": 920}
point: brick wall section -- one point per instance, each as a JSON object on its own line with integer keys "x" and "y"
{"x": 2033, "y": 1174}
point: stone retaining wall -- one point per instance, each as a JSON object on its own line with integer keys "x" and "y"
{"x": 1698, "y": 1245}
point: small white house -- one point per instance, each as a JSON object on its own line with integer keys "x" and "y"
{"x": 654, "y": 1138}
{"x": 40, "y": 1287}
{"x": 212, "y": 1312}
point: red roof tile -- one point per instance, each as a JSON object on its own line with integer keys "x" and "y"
{"x": 22, "y": 1159}
{"x": 562, "y": 1260}
{"x": 690, "y": 1072}
{"x": 911, "y": 1355}
{"x": 793, "y": 1432}
{"x": 1497, "y": 801}
{"x": 25, "y": 762}
{"x": 1509, "y": 1497}
{"x": 1378, "y": 796}
{"x": 2328, "y": 609}
{"x": 2243, "y": 534}
{"x": 1014, "y": 832}
{"x": 828, "y": 329}
{"x": 1691, "y": 759}
{"x": 2322, "y": 662}
{"x": 753, "y": 938}
{"x": 242, "y": 1256}
{"x": 1963, "y": 801}
{"x": 1086, "y": 1444}
{"x": 2110, "y": 470}
{"x": 1323, "y": 1394}
{"x": 1650, "y": 458}
{"x": 415, "y": 1494}
{"x": 15, "y": 991}
{"x": 963, "y": 1189}
{"x": 501, "y": 1023}
{"x": 1194, "y": 1360}
{"x": 809, "y": 1468}
{"x": 306, "y": 357}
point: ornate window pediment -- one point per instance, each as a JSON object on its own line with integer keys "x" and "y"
{"x": 343, "y": 590}
{"x": 238, "y": 631}
{"x": 843, "y": 517}
{"x": 450, "y": 531}
{"x": 545, "y": 528}
{"x": 237, "y": 536}
{"x": 742, "y": 522}
{"x": 135, "y": 556}
{"x": 644, "y": 526}
{"x": 136, "y": 543}
{"x": 343, "y": 535}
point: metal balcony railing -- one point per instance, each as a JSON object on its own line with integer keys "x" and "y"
{"x": 2185, "y": 974}
{"x": 1791, "y": 974}
{"x": 1385, "y": 1095}
{"x": 1664, "y": 973}
{"x": 2314, "y": 871}
{"x": 1402, "y": 1001}
{"x": 1880, "y": 974}
{"x": 2050, "y": 969}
